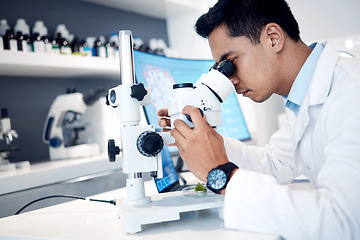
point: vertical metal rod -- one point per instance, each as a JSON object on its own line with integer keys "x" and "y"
{"x": 127, "y": 75}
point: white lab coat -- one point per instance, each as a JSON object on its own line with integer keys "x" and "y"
{"x": 323, "y": 143}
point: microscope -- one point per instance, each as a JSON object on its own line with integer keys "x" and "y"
{"x": 210, "y": 90}
{"x": 65, "y": 123}
{"x": 8, "y": 135}
{"x": 140, "y": 146}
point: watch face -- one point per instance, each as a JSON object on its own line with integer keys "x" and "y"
{"x": 217, "y": 179}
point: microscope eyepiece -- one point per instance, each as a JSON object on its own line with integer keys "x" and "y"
{"x": 213, "y": 66}
{"x": 226, "y": 67}
{"x": 183, "y": 85}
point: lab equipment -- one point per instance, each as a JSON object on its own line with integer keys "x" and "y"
{"x": 159, "y": 74}
{"x": 140, "y": 144}
{"x": 78, "y": 125}
{"x": 140, "y": 151}
{"x": 209, "y": 92}
{"x": 8, "y": 135}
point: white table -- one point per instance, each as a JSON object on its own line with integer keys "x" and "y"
{"x": 92, "y": 220}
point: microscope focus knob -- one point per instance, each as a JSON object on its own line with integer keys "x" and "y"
{"x": 138, "y": 91}
{"x": 149, "y": 143}
{"x": 189, "y": 118}
{"x": 112, "y": 150}
{"x": 55, "y": 142}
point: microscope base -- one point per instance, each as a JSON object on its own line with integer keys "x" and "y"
{"x": 8, "y": 167}
{"x": 12, "y": 167}
{"x": 165, "y": 207}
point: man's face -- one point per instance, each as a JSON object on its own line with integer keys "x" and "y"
{"x": 255, "y": 68}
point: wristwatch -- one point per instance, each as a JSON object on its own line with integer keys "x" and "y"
{"x": 219, "y": 177}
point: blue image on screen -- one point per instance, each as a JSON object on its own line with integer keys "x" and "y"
{"x": 159, "y": 73}
{"x": 169, "y": 172}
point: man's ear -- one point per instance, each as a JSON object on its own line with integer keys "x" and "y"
{"x": 274, "y": 35}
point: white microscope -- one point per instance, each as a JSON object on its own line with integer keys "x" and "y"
{"x": 140, "y": 146}
{"x": 210, "y": 90}
{"x": 65, "y": 122}
{"x": 8, "y": 135}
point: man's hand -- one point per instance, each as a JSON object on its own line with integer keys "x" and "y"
{"x": 202, "y": 148}
{"x": 164, "y": 120}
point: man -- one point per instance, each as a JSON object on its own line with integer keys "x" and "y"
{"x": 320, "y": 140}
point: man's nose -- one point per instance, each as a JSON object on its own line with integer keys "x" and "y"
{"x": 233, "y": 79}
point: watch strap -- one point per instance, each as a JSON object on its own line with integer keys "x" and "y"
{"x": 228, "y": 168}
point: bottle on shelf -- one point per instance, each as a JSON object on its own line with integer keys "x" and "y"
{"x": 3, "y": 27}
{"x": 110, "y": 53}
{"x": 112, "y": 47}
{"x": 99, "y": 49}
{"x": 56, "y": 44}
{"x": 65, "y": 47}
{"x": 91, "y": 43}
{"x": 10, "y": 42}
{"x": 23, "y": 27}
{"x": 64, "y": 32}
{"x": 75, "y": 46}
{"x": 85, "y": 49}
{"x": 21, "y": 42}
{"x": 38, "y": 43}
{"x": 47, "y": 43}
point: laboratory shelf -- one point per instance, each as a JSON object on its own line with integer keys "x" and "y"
{"x": 162, "y": 9}
{"x": 20, "y": 64}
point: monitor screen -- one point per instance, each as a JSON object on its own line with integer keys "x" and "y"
{"x": 170, "y": 178}
{"x": 159, "y": 73}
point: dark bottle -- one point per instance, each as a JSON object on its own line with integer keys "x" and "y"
{"x": 59, "y": 40}
{"x": 19, "y": 41}
{"x": 75, "y": 46}
{"x": 99, "y": 49}
{"x": 10, "y": 42}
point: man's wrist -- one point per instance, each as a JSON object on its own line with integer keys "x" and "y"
{"x": 223, "y": 191}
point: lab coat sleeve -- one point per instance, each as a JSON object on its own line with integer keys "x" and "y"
{"x": 276, "y": 158}
{"x": 257, "y": 202}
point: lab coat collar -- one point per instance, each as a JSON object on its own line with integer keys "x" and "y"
{"x": 322, "y": 79}
{"x": 318, "y": 90}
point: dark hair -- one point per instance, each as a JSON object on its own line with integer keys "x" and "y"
{"x": 248, "y": 18}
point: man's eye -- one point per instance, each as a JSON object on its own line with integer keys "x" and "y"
{"x": 232, "y": 60}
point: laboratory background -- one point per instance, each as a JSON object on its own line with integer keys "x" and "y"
{"x": 34, "y": 82}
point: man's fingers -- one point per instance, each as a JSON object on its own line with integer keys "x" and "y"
{"x": 195, "y": 114}
{"x": 179, "y": 137}
{"x": 214, "y": 132}
{"x": 163, "y": 112}
{"x": 164, "y": 122}
{"x": 199, "y": 120}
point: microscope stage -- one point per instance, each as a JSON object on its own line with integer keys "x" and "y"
{"x": 165, "y": 207}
